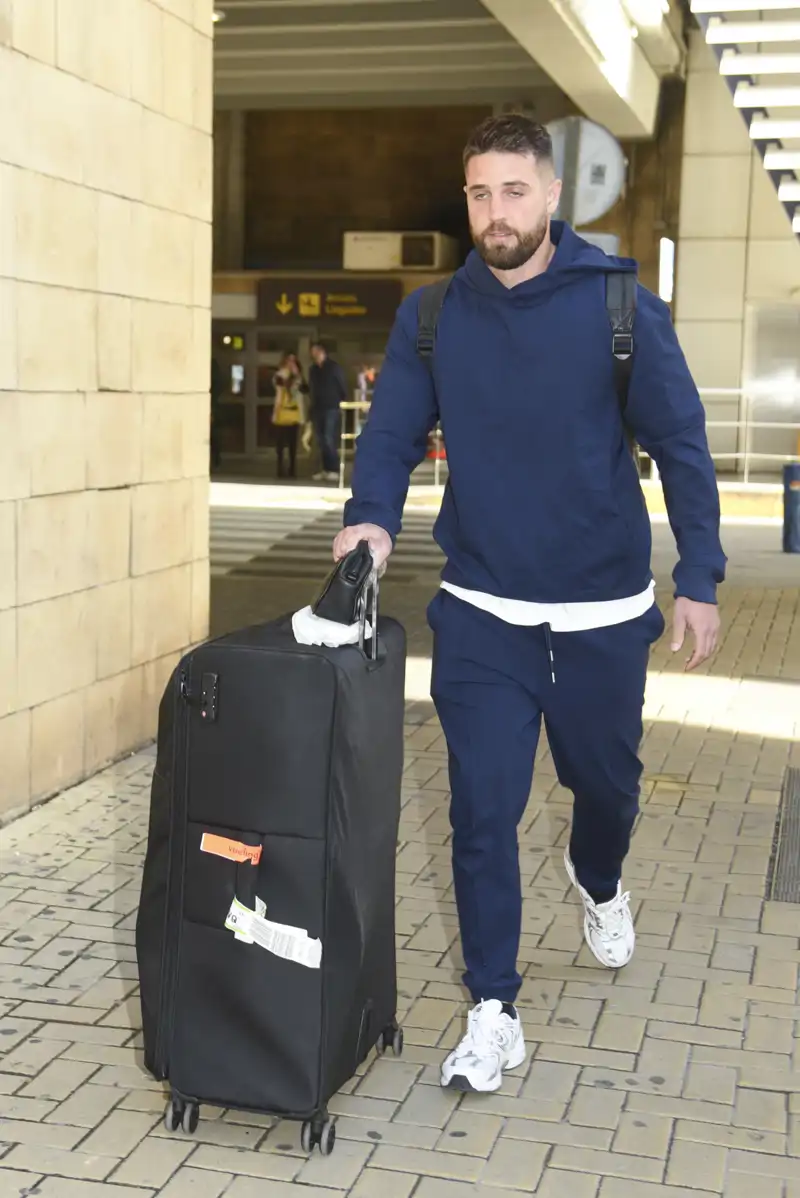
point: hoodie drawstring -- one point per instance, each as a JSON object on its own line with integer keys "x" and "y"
{"x": 548, "y": 640}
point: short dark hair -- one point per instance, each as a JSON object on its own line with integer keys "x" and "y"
{"x": 511, "y": 133}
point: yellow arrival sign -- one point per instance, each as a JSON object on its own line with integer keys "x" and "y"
{"x": 329, "y": 302}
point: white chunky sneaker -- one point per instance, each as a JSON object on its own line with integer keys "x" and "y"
{"x": 494, "y": 1042}
{"x": 608, "y": 927}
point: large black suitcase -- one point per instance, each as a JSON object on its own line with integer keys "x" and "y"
{"x": 277, "y": 782}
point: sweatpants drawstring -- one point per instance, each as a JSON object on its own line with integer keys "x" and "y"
{"x": 548, "y": 639}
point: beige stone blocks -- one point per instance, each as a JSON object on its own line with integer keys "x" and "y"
{"x": 56, "y": 338}
{"x": 156, "y": 676}
{"x": 713, "y": 349}
{"x": 33, "y": 29}
{"x": 15, "y": 480}
{"x": 115, "y": 147}
{"x": 184, "y": 9}
{"x": 161, "y": 613}
{"x": 105, "y": 283}
{"x": 113, "y": 439}
{"x": 710, "y": 279}
{"x": 13, "y": 78}
{"x": 162, "y": 245}
{"x": 202, "y": 84}
{"x": 56, "y": 231}
{"x": 196, "y": 427}
{"x": 71, "y": 542}
{"x": 200, "y": 488}
{"x": 108, "y": 548}
{"x": 735, "y": 244}
{"x": 54, "y": 438}
{"x": 57, "y": 743}
{"x": 8, "y": 234}
{"x": 715, "y": 195}
{"x": 203, "y": 16}
{"x": 53, "y": 546}
{"x": 8, "y": 555}
{"x": 8, "y": 335}
{"x": 112, "y": 621}
{"x": 8, "y": 662}
{"x": 56, "y": 651}
{"x": 115, "y": 254}
{"x": 114, "y": 717}
{"x": 94, "y": 42}
{"x": 113, "y": 343}
{"x": 773, "y": 269}
{"x": 201, "y": 586}
{"x": 57, "y": 129}
{"x": 179, "y": 38}
{"x": 176, "y": 171}
{"x": 147, "y": 55}
{"x": 202, "y": 263}
{"x": 712, "y": 124}
{"x": 15, "y": 754}
{"x": 161, "y": 526}
{"x": 162, "y": 437}
{"x": 162, "y": 347}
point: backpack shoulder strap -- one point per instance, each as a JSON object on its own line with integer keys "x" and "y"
{"x": 621, "y": 295}
{"x": 431, "y": 299}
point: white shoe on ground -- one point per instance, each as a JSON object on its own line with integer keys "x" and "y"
{"x": 608, "y": 927}
{"x": 494, "y": 1042}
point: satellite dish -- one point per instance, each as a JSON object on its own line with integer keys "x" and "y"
{"x": 593, "y": 166}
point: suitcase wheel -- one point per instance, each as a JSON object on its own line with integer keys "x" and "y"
{"x": 391, "y": 1037}
{"x": 320, "y": 1131}
{"x": 181, "y": 1115}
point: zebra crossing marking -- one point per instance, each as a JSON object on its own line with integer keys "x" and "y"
{"x": 283, "y": 543}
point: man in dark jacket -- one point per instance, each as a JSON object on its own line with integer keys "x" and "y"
{"x": 547, "y": 606}
{"x": 328, "y": 388}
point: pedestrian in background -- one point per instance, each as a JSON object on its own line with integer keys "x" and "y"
{"x": 328, "y": 387}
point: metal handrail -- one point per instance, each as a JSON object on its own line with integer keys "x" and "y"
{"x": 746, "y": 426}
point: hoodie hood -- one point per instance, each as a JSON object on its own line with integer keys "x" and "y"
{"x": 574, "y": 257}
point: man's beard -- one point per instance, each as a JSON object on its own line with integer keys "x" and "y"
{"x": 510, "y": 255}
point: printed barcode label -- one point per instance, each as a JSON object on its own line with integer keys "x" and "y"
{"x": 291, "y": 944}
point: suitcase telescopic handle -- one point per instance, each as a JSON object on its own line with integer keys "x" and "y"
{"x": 368, "y": 603}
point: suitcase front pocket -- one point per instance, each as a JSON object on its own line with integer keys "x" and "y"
{"x": 221, "y": 864}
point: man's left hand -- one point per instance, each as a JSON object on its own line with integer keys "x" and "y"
{"x": 702, "y": 620}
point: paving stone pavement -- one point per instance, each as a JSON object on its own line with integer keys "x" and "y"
{"x": 678, "y": 1077}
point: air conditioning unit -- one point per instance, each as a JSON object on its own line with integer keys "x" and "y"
{"x": 400, "y": 251}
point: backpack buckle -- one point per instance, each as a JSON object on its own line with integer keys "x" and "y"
{"x": 425, "y": 343}
{"x": 622, "y": 345}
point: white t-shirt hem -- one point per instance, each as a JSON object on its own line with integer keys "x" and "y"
{"x": 562, "y": 617}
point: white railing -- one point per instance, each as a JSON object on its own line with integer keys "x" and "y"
{"x": 746, "y": 454}
{"x": 742, "y": 459}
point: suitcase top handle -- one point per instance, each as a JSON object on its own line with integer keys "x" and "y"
{"x": 350, "y": 590}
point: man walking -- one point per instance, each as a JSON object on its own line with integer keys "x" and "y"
{"x": 328, "y": 388}
{"x": 547, "y": 605}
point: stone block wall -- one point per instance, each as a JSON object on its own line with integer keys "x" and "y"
{"x": 105, "y": 285}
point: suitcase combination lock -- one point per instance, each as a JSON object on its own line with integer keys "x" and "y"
{"x": 209, "y": 697}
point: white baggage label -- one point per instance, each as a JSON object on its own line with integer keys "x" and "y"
{"x": 292, "y": 944}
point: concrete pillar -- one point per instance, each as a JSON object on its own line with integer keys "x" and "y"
{"x": 736, "y": 249}
{"x": 105, "y": 291}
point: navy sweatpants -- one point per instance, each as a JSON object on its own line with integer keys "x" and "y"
{"x": 492, "y": 685}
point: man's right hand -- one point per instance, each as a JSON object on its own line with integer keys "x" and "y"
{"x": 378, "y": 538}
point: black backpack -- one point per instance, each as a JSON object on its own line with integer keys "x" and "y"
{"x": 621, "y": 292}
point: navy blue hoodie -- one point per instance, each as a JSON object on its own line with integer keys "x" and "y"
{"x": 543, "y": 501}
